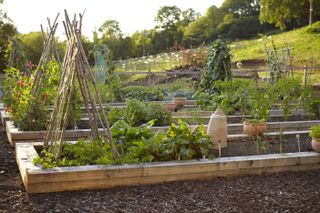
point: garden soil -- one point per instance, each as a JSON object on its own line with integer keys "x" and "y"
{"x": 283, "y": 192}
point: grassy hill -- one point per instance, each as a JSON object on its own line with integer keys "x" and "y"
{"x": 305, "y": 46}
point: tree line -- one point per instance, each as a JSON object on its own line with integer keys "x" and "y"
{"x": 178, "y": 29}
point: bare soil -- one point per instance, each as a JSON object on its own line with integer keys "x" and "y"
{"x": 267, "y": 145}
{"x": 283, "y": 192}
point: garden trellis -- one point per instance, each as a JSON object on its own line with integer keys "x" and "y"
{"x": 101, "y": 68}
{"x": 278, "y": 61}
{"x": 47, "y": 53}
{"x": 75, "y": 67}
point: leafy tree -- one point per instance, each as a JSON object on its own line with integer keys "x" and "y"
{"x": 142, "y": 43}
{"x": 110, "y": 29}
{"x": 167, "y": 17}
{"x": 188, "y": 16}
{"x": 203, "y": 29}
{"x": 7, "y": 30}
{"x": 121, "y": 47}
{"x": 32, "y": 44}
{"x": 241, "y": 7}
{"x": 287, "y": 13}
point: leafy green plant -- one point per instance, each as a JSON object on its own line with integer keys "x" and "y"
{"x": 262, "y": 144}
{"x": 32, "y": 113}
{"x": 116, "y": 114}
{"x": 139, "y": 113}
{"x": 218, "y": 66}
{"x": 133, "y": 145}
{"x": 140, "y": 93}
{"x": 315, "y": 131}
{"x": 186, "y": 143}
{"x": 314, "y": 28}
{"x": 230, "y": 96}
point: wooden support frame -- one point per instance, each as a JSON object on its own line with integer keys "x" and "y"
{"x": 37, "y": 180}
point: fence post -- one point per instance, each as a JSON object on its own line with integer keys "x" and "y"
{"x": 305, "y": 75}
{"x": 149, "y": 74}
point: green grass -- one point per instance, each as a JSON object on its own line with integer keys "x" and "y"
{"x": 305, "y": 50}
{"x": 305, "y": 47}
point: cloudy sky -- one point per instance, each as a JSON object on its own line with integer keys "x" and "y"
{"x": 131, "y": 14}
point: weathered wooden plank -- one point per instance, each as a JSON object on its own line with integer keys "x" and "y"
{"x": 61, "y": 174}
{"x": 25, "y": 153}
{"x": 234, "y": 131}
{"x": 15, "y": 136}
{"x": 272, "y": 127}
{"x": 37, "y": 180}
{"x": 82, "y": 184}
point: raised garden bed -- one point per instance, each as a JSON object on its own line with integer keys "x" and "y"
{"x": 15, "y": 135}
{"x": 203, "y": 117}
{"x": 37, "y": 180}
{"x": 234, "y": 130}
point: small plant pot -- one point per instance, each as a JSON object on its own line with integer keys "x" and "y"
{"x": 179, "y": 101}
{"x": 315, "y": 143}
{"x": 254, "y": 129}
{"x": 170, "y": 106}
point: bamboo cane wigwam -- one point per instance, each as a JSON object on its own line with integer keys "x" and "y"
{"x": 75, "y": 67}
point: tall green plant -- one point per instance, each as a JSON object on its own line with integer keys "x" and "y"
{"x": 218, "y": 66}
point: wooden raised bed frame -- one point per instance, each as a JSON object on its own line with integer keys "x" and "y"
{"x": 234, "y": 131}
{"x": 37, "y": 180}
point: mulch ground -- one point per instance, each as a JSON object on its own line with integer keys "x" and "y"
{"x": 283, "y": 192}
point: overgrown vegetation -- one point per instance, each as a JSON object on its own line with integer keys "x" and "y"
{"x": 136, "y": 113}
{"x": 315, "y": 131}
{"x": 134, "y": 145}
{"x": 28, "y": 112}
{"x": 250, "y": 98}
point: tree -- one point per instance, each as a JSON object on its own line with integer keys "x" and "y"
{"x": 241, "y": 7}
{"x": 32, "y": 44}
{"x": 7, "y": 30}
{"x": 167, "y": 19}
{"x": 288, "y": 13}
{"x": 203, "y": 29}
{"x": 111, "y": 29}
{"x": 188, "y": 16}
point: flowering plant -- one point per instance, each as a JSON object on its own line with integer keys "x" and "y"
{"x": 28, "y": 112}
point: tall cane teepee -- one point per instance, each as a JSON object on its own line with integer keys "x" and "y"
{"x": 49, "y": 51}
{"x": 75, "y": 68}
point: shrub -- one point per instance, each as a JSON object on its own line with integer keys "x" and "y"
{"x": 140, "y": 93}
{"x": 139, "y": 113}
{"x": 314, "y": 28}
{"x": 31, "y": 113}
{"x": 230, "y": 96}
{"x": 315, "y": 131}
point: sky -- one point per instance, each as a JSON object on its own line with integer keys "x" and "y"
{"x": 132, "y": 15}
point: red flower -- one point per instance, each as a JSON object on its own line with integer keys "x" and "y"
{"x": 30, "y": 65}
{"x": 21, "y": 83}
{"x": 26, "y": 74}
